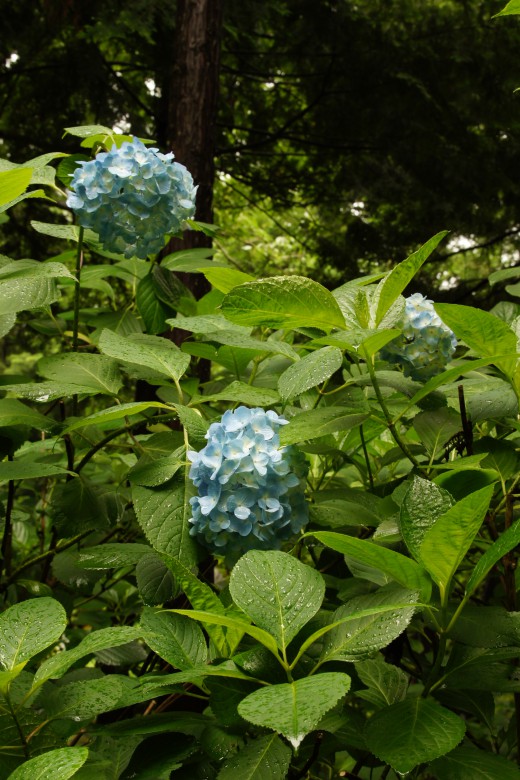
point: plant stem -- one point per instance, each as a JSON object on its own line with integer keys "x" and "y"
{"x": 114, "y": 434}
{"x": 367, "y": 459}
{"x": 23, "y": 740}
{"x": 75, "y": 321}
{"x": 391, "y": 425}
{"x": 510, "y": 562}
{"x": 43, "y": 556}
{"x": 7, "y": 541}
{"x": 77, "y": 289}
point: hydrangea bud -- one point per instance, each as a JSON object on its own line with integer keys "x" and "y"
{"x": 250, "y": 489}
{"x": 426, "y": 344}
{"x": 132, "y": 197}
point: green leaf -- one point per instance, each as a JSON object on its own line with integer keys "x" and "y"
{"x": 158, "y": 354}
{"x": 310, "y": 371}
{"x": 59, "y": 764}
{"x": 201, "y": 597}
{"x": 31, "y": 269}
{"x": 278, "y": 592}
{"x": 237, "y": 624}
{"x": 513, "y": 7}
{"x": 151, "y": 309}
{"x": 369, "y": 612}
{"x": 13, "y": 412}
{"x": 360, "y": 637}
{"x": 283, "y": 302}
{"x": 25, "y": 294}
{"x": 295, "y": 709}
{"x": 448, "y": 376}
{"x": 446, "y": 543}
{"x": 400, "y": 568}
{"x": 435, "y": 428}
{"x": 175, "y": 638}
{"x": 64, "y": 232}
{"x": 112, "y": 556}
{"x": 386, "y": 684}
{"x": 232, "y": 338}
{"x": 242, "y": 393}
{"x": 320, "y": 422}
{"x": 196, "y": 426}
{"x": 83, "y": 699}
{"x": 7, "y": 322}
{"x": 225, "y": 279}
{"x": 155, "y": 581}
{"x": 156, "y": 472}
{"x": 390, "y": 288}
{"x": 102, "y": 639}
{"x": 115, "y": 413}
{"x": 13, "y": 183}
{"x": 29, "y": 470}
{"x": 78, "y": 506}
{"x": 190, "y": 260}
{"x": 208, "y": 324}
{"x": 468, "y": 763}
{"x": 163, "y": 514}
{"x": 28, "y": 628}
{"x": 42, "y": 392}
{"x": 83, "y": 131}
{"x": 98, "y": 372}
{"x": 506, "y": 542}
{"x": 486, "y": 334}
{"x": 423, "y": 503}
{"x": 264, "y": 758}
{"x": 413, "y": 732}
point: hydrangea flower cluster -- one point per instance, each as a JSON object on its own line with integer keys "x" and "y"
{"x": 250, "y": 489}
{"x": 132, "y": 197}
{"x": 426, "y": 344}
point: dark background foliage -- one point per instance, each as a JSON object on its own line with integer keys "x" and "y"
{"x": 362, "y": 128}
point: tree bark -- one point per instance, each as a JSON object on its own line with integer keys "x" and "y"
{"x": 191, "y": 109}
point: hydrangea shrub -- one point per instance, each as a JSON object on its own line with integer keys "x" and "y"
{"x": 132, "y": 197}
{"x": 250, "y": 489}
{"x": 426, "y": 345}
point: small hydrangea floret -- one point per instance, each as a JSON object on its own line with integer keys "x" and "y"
{"x": 250, "y": 489}
{"x": 132, "y": 197}
{"x": 426, "y": 344}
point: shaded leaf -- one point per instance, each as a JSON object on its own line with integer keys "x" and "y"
{"x": 175, "y": 638}
{"x": 413, "y": 732}
{"x": 265, "y": 758}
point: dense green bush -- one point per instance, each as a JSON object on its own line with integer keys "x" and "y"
{"x": 382, "y": 640}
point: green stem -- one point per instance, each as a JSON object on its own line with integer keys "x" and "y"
{"x": 23, "y": 740}
{"x": 437, "y": 666}
{"x": 7, "y": 540}
{"x": 389, "y": 421}
{"x": 114, "y": 434}
{"x": 367, "y": 460}
{"x": 75, "y": 321}
{"x": 77, "y": 289}
{"x": 43, "y": 556}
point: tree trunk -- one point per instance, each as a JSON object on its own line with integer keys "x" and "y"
{"x": 191, "y": 109}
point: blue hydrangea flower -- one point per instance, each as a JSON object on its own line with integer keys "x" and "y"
{"x": 132, "y": 197}
{"x": 426, "y": 344}
{"x": 250, "y": 489}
